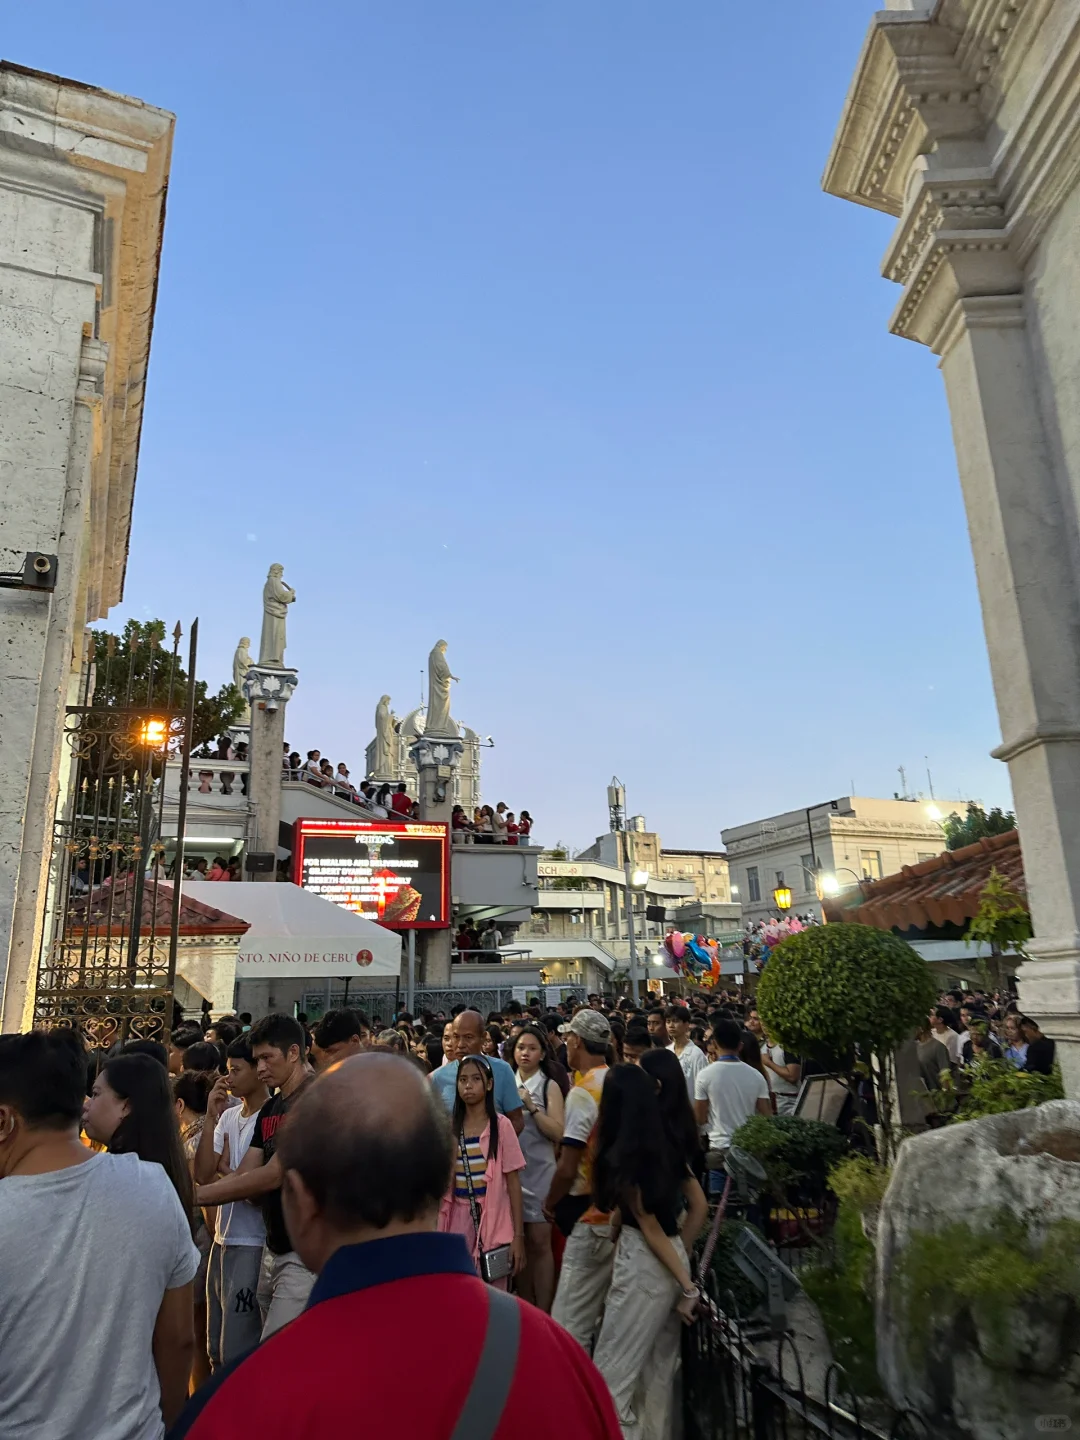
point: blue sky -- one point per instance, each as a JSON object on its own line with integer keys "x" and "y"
{"x": 528, "y": 326}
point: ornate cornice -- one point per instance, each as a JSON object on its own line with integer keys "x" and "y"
{"x": 964, "y": 122}
{"x": 269, "y": 687}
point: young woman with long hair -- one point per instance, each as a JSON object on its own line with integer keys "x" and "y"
{"x": 483, "y": 1203}
{"x": 676, "y": 1111}
{"x": 130, "y": 1111}
{"x": 544, "y": 1110}
{"x": 640, "y": 1173}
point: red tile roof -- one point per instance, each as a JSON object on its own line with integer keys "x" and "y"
{"x": 942, "y": 891}
{"x": 195, "y": 917}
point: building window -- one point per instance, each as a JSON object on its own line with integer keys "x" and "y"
{"x": 870, "y": 860}
{"x": 809, "y": 879}
{"x": 753, "y": 884}
{"x": 779, "y": 879}
{"x": 927, "y": 855}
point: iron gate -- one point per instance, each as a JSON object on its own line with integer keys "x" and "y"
{"x": 108, "y": 956}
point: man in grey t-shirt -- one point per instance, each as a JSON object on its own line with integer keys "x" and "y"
{"x": 96, "y": 1265}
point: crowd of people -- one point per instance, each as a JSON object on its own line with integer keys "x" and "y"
{"x": 490, "y": 825}
{"x": 169, "y": 1226}
{"x": 969, "y": 1027}
{"x": 385, "y": 800}
{"x": 174, "y": 1238}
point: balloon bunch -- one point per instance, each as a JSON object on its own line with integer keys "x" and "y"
{"x": 694, "y": 957}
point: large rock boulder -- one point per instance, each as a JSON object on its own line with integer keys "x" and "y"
{"x": 978, "y": 1275}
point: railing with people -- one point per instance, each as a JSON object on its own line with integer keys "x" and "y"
{"x": 489, "y": 956}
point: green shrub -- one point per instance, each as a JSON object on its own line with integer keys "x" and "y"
{"x": 796, "y": 1153}
{"x": 990, "y": 1272}
{"x": 995, "y": 1087}
{"x": 859, "y": 1182}
{"x": 834, "y": 990}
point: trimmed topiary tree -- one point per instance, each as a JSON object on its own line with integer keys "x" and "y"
{"x": 846, "y": 995}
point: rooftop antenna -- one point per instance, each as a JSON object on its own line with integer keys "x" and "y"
{"x": 929, "y": 780}
{"x": 903, "y": 783}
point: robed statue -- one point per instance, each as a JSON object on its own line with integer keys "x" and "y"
{"x": 384, "y": 741}
{"x": 438, "y": 705}
{"x": 240, "y": 665}
{"x": 277, "y": 596}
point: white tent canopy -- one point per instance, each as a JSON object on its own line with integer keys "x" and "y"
{"x": 295, "y": 933}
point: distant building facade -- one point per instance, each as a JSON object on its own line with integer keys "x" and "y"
{"x": 844, "y": 840}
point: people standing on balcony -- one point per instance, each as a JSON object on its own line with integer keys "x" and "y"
{"x": 312, "y": 769}
{"x": 498, "y": 823}
{"x": 219, "y": 870}
{"x": 542, "y": 1098}
{"x": 525, "y": 824}
{"x": 461, "y": 826}
{"x": 485, "y": 826}
{"x": 513, "y": 829}
{"x": 400, "y": 802}
{"x": 490, "y": 941}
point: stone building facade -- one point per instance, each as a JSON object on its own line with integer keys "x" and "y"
{"x": 846, "y": 839}
{"x": 83, "y": 175}
{"x": 963, "y": 122}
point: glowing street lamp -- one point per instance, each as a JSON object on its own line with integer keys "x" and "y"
{"x": 152, "y": 733}
{"x": 782, "y": 897}
{"x": 639, "y": 879}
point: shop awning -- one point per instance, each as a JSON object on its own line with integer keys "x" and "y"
{"x": 295, "y": 933}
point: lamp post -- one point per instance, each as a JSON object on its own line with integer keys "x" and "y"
{"x": 632, "y": 879}
{"x": 782, "y": 897}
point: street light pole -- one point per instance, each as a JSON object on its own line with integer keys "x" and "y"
{"x": 634, "y": 980}
{"x": 617, "y": 809}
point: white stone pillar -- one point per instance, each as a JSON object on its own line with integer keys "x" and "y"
{"x": 435, "y": 760}
{"x": 937, "y": 132}
{"x": 83, "y": 174}
{"x": 268, "y": 691}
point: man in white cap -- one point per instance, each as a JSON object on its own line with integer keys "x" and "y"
{"x": 586, "y": 1266}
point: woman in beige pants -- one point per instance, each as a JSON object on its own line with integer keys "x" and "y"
{"x": 641, "y": 1173}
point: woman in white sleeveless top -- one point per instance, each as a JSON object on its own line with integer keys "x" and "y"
{"x": 543, "y": 1102}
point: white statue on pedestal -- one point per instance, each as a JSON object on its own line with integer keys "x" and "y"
{"x": 277, "y": 596}
{"x": 240, "y": 666}
{"x": 438, "y": 705}
{"x": 384, "y": 740}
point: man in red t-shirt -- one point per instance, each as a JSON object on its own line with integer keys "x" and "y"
{"x": 367, "y": 1155}
{"x": 400, "y": 802}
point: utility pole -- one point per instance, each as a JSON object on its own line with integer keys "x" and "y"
{"x": 617, "y": 810}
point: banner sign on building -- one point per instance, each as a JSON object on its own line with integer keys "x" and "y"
{"x": 396, "y": 872}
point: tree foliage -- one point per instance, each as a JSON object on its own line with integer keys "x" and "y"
{"x": 977, "y": 824}
{"x": 140, "y": 652}
{"x": 1002, "y": 920}
{"x": 995, "y": 1087}
{"x": 836, "y": 990}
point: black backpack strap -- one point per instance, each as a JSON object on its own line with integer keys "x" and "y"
{"x": 490, "y": 1389}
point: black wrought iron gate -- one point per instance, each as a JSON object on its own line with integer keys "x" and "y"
{"x": 108, "y": 954}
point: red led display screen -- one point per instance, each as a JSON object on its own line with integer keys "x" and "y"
{"x": 396, "y": 872}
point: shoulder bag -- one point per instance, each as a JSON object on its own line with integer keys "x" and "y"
{"x": 494, "y": 1264}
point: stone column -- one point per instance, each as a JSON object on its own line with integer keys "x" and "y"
{"x": 83, "y": 175}
{"x": 267, "y": 691}
{"x": 936, "y": 132}
{"x": 435, "y": 760}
